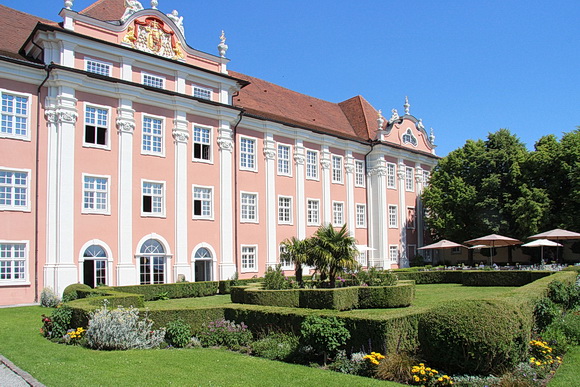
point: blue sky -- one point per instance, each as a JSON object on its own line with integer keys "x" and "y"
{"x": 468, "y": 67}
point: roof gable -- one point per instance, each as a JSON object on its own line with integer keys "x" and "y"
{"x": 105, "y": 10}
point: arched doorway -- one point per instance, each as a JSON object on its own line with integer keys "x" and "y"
{"x": 203, "y": 265}
{"x": 152, "y": 262}
{"x": 95, "y": 266}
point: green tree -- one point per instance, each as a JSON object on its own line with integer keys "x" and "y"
{"x": 296, "y": 251}
{"x": 333, "y": 252}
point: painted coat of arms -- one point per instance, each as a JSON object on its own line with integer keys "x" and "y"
{"x": 150, "y": 35}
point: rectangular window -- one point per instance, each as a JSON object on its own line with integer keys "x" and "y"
{"x": 247, "y": 154}
{"x": 284, "y": 160}
{"x": 14, "y": 193}
{"x": 201, "y": 144}
{"x": 411, "y": 217}
{"x": 393, "y": 253}
{"x": 98, "y": 67}
{"x": 312, "y": 165}
{"x": 202, "y": 92}
{"x": 249, "y": 258}
{"x": 426, "y": 176}
{"x": 393, "y": 216}
{"x": 15, "y": 116}
{"x": 153, "y": 203}
{"x": 249, "y": 207}
{"x": 337, "y": 214}
{"x": 284, "y": 210}
{"x": 202, "y": 202}
{"x": 153, "y": 81}
{"x": 361, "y": 215}
{"x": 95, "y": 194}
{"x": 337, "y": 169}
{"x": 359, "y": 173}
{"x": 391, "y": 175}
{"x": 286, "y": 263}
{"x": 12, "y": 262}
{"x": 456, "y": 250}
{"x": 409, "y": 183}
{"x": 153, "y": 136}
{"x": 96, "y": 126}
{"x": 313, "y": 212}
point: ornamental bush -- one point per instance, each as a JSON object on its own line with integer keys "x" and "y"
{"x": 476, "y": 337}
{"x": 48, "y": 298}
{"x": 120, "y": 329}
{"x": 225, "y": 333}
{"x": 178, "y": 333}
{"x": 70, "y": 292}
{"x": 325, "y": 334}
{"x": 277, "y": 346}
{"x": 56, "y": 326}
{"x": 545, "y": 312}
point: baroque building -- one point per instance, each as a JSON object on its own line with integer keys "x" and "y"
{"x": 129, "y": 157}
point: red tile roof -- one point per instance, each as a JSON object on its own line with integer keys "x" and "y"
{"x": 105, "y": 10}
{"x": 15, "y": 28}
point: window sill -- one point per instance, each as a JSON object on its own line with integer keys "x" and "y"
{"x": 96, "y": 146}
{"x": 14, "y": 283}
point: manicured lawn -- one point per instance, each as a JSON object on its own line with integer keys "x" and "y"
{"x": 568, "y": 374}
{"x": 61, "y": 365}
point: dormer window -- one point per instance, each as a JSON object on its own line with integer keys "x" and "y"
{"x": 153, "y": 81}
{"x": 408, "y": 138}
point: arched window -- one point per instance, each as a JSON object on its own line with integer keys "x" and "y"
{"x": 95, "y": 266}
{"x": 408, "y": 138}
{"x": 152, "y": 262}
{"x": 203, "y": 264}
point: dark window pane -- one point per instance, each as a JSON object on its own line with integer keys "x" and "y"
{"x": 102, "y": 136}
{"x": 196, "y": 151}
{"x": 197, "y": 207}
{"x": 89, "y": 134}
{"x": 147, "y": 203}
{"x": 205, "y": 152}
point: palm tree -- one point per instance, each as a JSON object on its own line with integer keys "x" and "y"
{"x": 333, "y": 252}
{"x": 296, "y": 251}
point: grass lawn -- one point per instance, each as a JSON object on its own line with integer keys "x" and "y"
{"x": 61, "y": 365}
{"x": 568, "y": 374}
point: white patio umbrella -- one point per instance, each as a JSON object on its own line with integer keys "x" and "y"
{"x": 493, "y": 240}
{"x": 557, "y": 234}
{"x": 541, "y": 243}
{"x": 442, "y": 244}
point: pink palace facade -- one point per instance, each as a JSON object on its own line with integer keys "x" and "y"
{"x": 129, "y": 157}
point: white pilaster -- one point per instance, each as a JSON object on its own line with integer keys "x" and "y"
{"x": 126, "y": 69}
{"x": 325, "y": 163}
{"x": 227, "y": 268}
{"x": 350, "y": 206}
{"x": 52, "y": 189}
{"x": 419, "y": 184}
{"x": 68, "y": 54}
{"x": 180, "y": 82}
{"x": 378, "y": 211}
{"x": 401, "y": 172}
{"x": 126, "y": 269}
{"x": 180, "y": 137}
{"x": 271, "y": 202}
{"x": 299, "y": 159}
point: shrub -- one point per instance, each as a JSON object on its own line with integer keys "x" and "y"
{"x": 524, "y": 375}
{"x": 171, "y": 291}
{"x": 48, "y": 298}
{"x": 374, "y": 277}
{"x": 545, "y": 312}
{"x": 476, "y": 337}
{"x": 569, "y": 325}
{"x": 274, "y": 279}
{"x": 177, "y": 333}
{"x": 224, "y": 333}
{"x": 120, "y": 329}
{"x": 356, "y": 365}
{"x": 397, "y": 296}
{"x": 340, "y": 299}
{"x": 56, "y": 326}
{"x": 475, "y": 381}
{"x": 74, "y": 336}
{"x": 277, "y": 346}
{"x": 325, "y": 334}
{"x": 565, "y": 294}
{"x": 395, "y": 367}
{"x": 70, "y": 292}
{"x": 556, "y": 339}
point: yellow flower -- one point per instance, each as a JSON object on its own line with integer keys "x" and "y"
{"x": 416, "y": 378}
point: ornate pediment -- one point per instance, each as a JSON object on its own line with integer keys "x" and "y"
{"x": 152, "y": 36}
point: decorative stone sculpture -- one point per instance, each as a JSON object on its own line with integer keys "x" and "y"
{"x": 154, "y": 4}
{"x": 68, "y": 4}
{"x": 432, "y": 137}
{"x": 178, "y": 20}
{"x": 394, "y": 116}
{"x": 223, "y": 47}
{"x": 131, "y": 6}
{"x": 380, "y": 120}
{"x": 407, "y": 106}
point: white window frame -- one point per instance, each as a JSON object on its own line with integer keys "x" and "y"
{"x": 337, "y": 171}
{"x": 201, "y": 90}
{"x": 412, "y": 226}
{"x": 107, "y": 127}
{"x": 21, "y": 281}
{"x": 250, "y": 155}
{"x": 160, "y": 78}
{"x": 243, "y": 219}
{"x": 409, "y": 179}
{"x": 210, "y": 216}
{"x": 312, "y": 166}
{"x": 27, "y": 116}
{"x": 163, "y": 199}
{"x": 210, "y": 144}
{"x": 359, "y": 173}
{"x": 284, "y": 166}
{"x": 151, "y": 152}
{"x": 336, "y": 222}
{"x": 311, "y": 212}
{"x": 409, "y": 138}
{"x": 392, "y": 175}
{"x": 285, "y": 265}
{"x": 282, "y": 218}
{"x": 361, "y": 215}
{"x": 392, "y": 215}
{"x": 98, "y": 62}
{"x": 395, "y": 249}
{"x": 426, "y": 177}
{"x": 107, "y": 210}
{"x": 12, "y": 207}
{"x": 248, "y": 268}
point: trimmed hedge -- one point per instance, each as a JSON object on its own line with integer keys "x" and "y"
{"x": 226, "y": 285}
{"x": 338, "y": 299}
{"x": 175, "y": 290}
{"x": 432, "y": 277}
{"x": 502, "y": 278}
{"x": 70, "y": 292}
{"x": 287, "y": 297}
{"x": 396, "y": 296}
